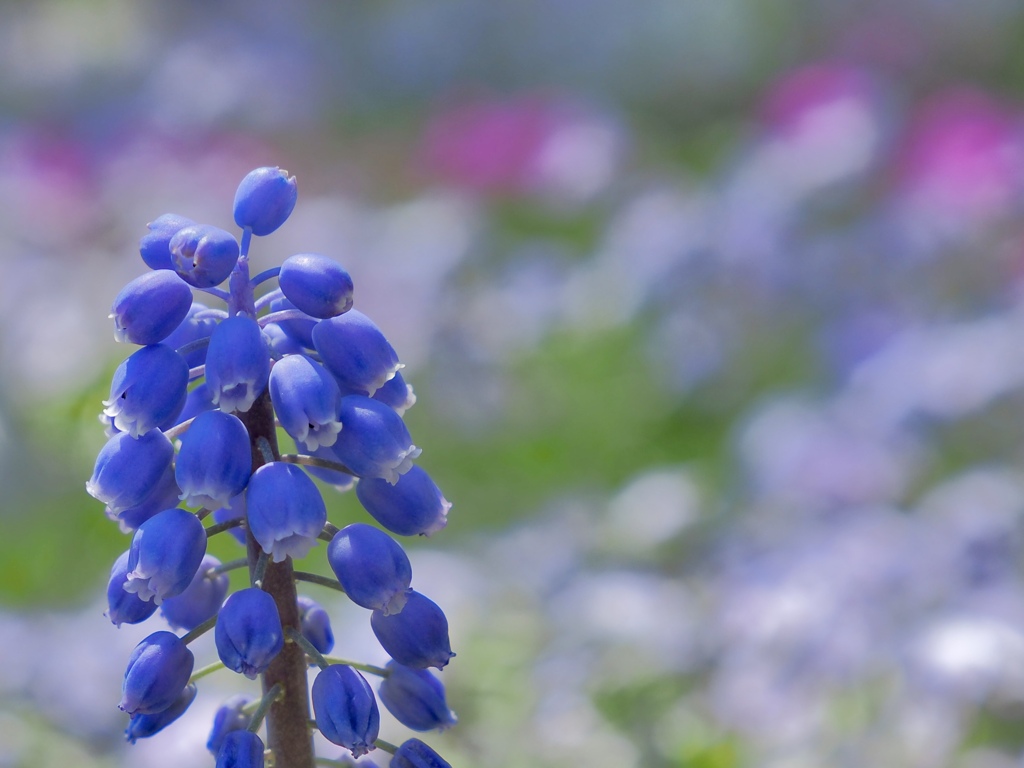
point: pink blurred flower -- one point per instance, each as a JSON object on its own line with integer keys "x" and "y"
{"x": 961, "y": 158}
{"x": 49, "y": 184}
{"x": 795, "y": 104}
{"x": 528, "y": 144}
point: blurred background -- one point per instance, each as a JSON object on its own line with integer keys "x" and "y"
{"x": 714, "y": 313}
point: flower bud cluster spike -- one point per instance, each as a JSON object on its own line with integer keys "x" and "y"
{"x": 191, "y": 421}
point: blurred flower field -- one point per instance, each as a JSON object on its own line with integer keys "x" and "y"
{"x": 714, "y": 312}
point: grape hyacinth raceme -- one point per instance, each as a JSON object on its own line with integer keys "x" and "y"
{"x": 192, "y": 420}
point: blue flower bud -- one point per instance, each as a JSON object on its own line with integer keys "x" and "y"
{"x": 165, "y": 554}
{"x": 374, "y": 441}
{"x": 163, "y": 496}
{"x": 158, "y": 670}
{"x": 143, "y": 726}
{"x": 237, "y": 364}
{"x": 150, "y": 307}
{"x": 307, "y": 401}
{"x": 241, "y": 749}
{"x": 340, "y": 481}
{"x": 416, "y": 698}
{"x": 192, "y": 329}
{"x": 203, "y": 255}
{"x": 125, "y": 607}
{"x": 233, "y": 511}
{"x": 214, "y": 460}
{"x": 371, "y": 567}
{"x": 356, "y": 352}
{"x": 280, "y": 343}
{"x": 229, "y": 718}
{"x": 315, "y": 624}
{"x": 415, "y": 754}
{"x": 198, "y": 400}
{"x": 248, "y": 632}
{"x": 147, "y": 390}
{"x": 128, "y": 469}
{"x": 265, "y": 199}
{"x": 413, "y": 505}
{"x": 200, "y": 600}
{"x": 154, "y": 246}
{"x": 396, "y": 394}
{"x": 285, "y": 510}
{"x": 299, "y": 329}
{"x": 316, "y": 285}
{"x": 346, "y": 711}
{"x": 418, "y": 636}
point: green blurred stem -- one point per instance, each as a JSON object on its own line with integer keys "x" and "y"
{"x": 368, "y": 668}
{"x": 209, "y": 669}
{"x": 297, "y": 637}
{"x": 199, "y": 630}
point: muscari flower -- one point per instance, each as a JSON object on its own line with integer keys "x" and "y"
{"x": 298, "y": 329}
{"x": 356, "y": 352}
{"x": 279, "y": 343}
{"x": 150, "y": 307}
{"x": 371, "y": 567}
{"x": 165, "y": 554}
{"x": 214, "y": 460}
{"x": 264, "y": 200}
{"x": 316, "y": 285}
{"x": 315, "y": 624}
{"x": 200, "y": 600}
{"x": 148, "y": 389}
{"x": 155, "y": 245}
{"x": 417, "y": 636}
{"x": 142, "y": 726}
{"x": 203, "y": 255}
{"x": 128, "y": 469}
{"x": 345, "y": 708}
{"x": 194, "y": 327}
{"x": 237, "y": 364}
{"x": 157, "y": 672}
{"x": 197, "y": 401}
{"x": 229, "y": 717}
{"x": 412, "y": 505}
{"x": 285, "y": 510}
{"x": 248, "y": 632}
{"x": 125, "y": 607}
{"x": 416, "y": 698}
{"x": 374, "y": 441}
{"x": 307, "y": 401}
{"x": 135, "y": 477}
{"x": 415, "y": 754}
{"x": 241, "y": 749}
{"x": 396, "y": 393}
{"x": 163, "y": 496}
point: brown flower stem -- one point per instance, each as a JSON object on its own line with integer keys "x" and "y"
{"x": 288, "y": 734}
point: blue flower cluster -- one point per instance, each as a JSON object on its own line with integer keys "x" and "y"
{"x": 193, "y": 420}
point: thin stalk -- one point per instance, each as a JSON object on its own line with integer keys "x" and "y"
{"x": 315, "y": 578}
{"x": 227, "y": 525}
{"x": 268, "y": 699}
{"x": 368, "y": 668}
{"x": 294, "y": 636}
{"x": 209, "y": 669}
{"x": 313, "y": 461}
{"x": 199, "y": 629}
{"x": 230, "y": 565}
